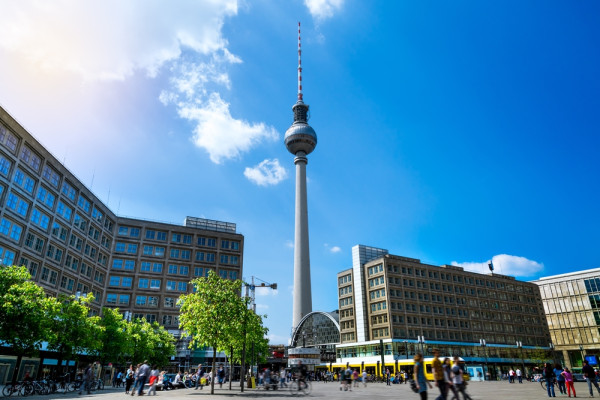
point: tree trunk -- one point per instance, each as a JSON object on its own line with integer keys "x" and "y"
{"x": 230, "y": 368}
{"x": 213, "y": 375}
{"x": 243, "y": 366}
{"x": 17, "y": 367}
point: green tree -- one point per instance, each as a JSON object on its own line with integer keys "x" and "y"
{"x": 248, "y": 338}
{"x": 149, "y": 342}
{"x": 163, "y": 345}
{"x": 210, "y": 315}
{"x": 72, "y": 330}
{"x": 113, "y": 337}
{"x": 24, "y": 310}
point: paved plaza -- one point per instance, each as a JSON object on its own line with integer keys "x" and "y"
{"x": 477, "y": 390}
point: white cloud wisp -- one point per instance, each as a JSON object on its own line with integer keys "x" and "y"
{"x": 323, "y": 9}
{"x": 268, "y": 172}
{"x": 505, "y": 264}
{"x": 110, "y": 39}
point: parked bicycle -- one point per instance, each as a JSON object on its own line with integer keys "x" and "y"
{"x": 10, "y": 389}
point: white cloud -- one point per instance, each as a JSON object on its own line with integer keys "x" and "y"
{"x": 111, "y": 39}
{"x": 217, "y": 132}
{"x": 506, "y": 265}
{"x": 268, "y": 172}
{"x": 265, "y": 292}
{"x": 323, "y": 9}
{"x": 332, "y": 249}
{"x": 262, "y": 306}
{"x": 276, "y": 339}
{"x": 289, "y": 244}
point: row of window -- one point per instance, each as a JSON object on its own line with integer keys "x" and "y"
{"x": 182, "y": 238}
{"x": 127, "y": 282}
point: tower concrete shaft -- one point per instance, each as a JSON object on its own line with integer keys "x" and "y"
{"x": 302, "y": 286}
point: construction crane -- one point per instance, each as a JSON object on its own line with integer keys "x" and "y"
{"x": 251, "y": 289}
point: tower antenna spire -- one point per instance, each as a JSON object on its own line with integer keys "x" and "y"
{"x": 300, "y": 99}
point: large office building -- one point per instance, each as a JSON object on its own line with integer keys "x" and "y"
{"x": 406, "y": 306}
{"x": 572, "y": 305}
{"x": 71, "y": 242}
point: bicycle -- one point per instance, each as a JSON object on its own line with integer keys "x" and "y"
{"x": 298, "y": 386}
{"x": 97, "y": 384}
{"x": 545, "y": 387}
{"x": 9, "y": 389}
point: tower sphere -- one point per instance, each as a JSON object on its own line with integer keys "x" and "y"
{"x": 300, "y": 137}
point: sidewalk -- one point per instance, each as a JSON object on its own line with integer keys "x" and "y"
{"x": 477, "y": 390}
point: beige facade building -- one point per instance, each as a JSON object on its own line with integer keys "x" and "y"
{"x": 72, "y": 242}
{"x": 412, "y": 306}
{"x": 572, "y": 306}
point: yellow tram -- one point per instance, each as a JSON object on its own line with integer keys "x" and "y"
{"x": 376, "y": 368}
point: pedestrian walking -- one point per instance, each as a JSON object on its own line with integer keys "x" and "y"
{"x": 519, "y": 374}
{"x": 153, "y": 381}
{"x": 438, "y": 374}
{"x": 590, "y": 377}
{"x": 419, "y": 377}
{"x": 129, "y": 377}
{"x": 199, "y": 377}
{"x": 560, "y": 379}
{"x": 569, "y": 381}
{"x": 457, "y": 379}
{"x": 87, "y": 380}
{"x": 364, "y": 378}
{"x": 142, "y": 376}
{"x": 549, "y": 375}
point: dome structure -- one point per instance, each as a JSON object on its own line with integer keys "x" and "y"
{"x": 300, "y": 137}
{"x": 317, "y": 328}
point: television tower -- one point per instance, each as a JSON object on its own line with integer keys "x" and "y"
{"x": 301, "y": 140}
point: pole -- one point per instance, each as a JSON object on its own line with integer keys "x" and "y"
{"x": 485, "y": 369}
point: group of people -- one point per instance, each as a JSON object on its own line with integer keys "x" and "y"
{"x": 141, "y": 375}
{"x": 448, "y": 376}
{"x": 564, "y": 379}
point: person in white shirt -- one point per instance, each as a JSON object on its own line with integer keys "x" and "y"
{"x": 364, "y": 378}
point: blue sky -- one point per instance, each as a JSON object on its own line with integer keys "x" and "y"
{"x": 452, "y": 132}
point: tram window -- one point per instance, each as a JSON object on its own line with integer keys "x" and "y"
{"x": 428, "y": 368}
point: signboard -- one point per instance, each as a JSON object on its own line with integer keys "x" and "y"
{"x": 592, "y": 360}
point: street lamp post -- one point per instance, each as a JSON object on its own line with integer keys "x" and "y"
{"x": 520, "y": 346}
{"x": 251, "y": 296}
{"x": 483, "y": 344}
{"x": 551, "y": 345}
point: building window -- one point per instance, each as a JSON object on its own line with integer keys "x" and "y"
{"x": 111, "y": 298}
{"x": 30, "y": 158}
{"x": 84, "y": 204}
{"x": 140, "y": 300}
{"x": 169, "y": 302}
{"x": 4, "y": 165}
{"x": 24, "y": 181}
{"x": 51, "y": 176}
{"x": 69, "y": 191}
{"x": 143, "y": 283}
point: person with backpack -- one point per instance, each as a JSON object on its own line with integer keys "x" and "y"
{"x": 458, "y": 380}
